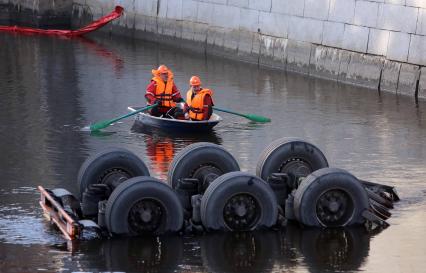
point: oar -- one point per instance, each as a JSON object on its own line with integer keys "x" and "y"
{"x": 103, "y": 124}
{"x": 251, "y": 117}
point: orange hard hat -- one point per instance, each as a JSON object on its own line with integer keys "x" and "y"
{"x": 162, "y": 69}
{"x": 195, "y": 81}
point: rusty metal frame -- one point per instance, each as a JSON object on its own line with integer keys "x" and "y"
{"x": 54, "y": 212}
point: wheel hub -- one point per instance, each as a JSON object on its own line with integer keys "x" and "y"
{"x": 297, "y": 167}
{"x": 241, "y": 212}
{"x": 206, "y": 175}
{"x": 334, "y": 208}
{"x": 113, "y": 177}
{"x": 146, "y": 216}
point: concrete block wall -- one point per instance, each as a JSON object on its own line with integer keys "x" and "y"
{"x": 37, "y": 12}
{"x": 379, "y": 44}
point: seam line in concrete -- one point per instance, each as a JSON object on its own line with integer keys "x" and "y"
{"x": 158, "y": 7}
{"x": 417, "y": 21}
{"x": 397, "y": 82}
{"x": 368, "y": 40}
{"x": 416, "y": 92}
{"x": 409, "y": 46}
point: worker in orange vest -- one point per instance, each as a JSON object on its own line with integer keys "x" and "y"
{"x": 199, "y": 100}
{"x": 163, "y": 91}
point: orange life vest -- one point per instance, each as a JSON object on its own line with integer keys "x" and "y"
{"x": 196, "y": 104}
{"x": 164, "y": 91}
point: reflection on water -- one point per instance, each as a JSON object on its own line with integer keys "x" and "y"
{"x": 161, "y": 145}
{"x": 51, "y": 88}
{"x": 103, "y": 52}
{"x": 145, "y": 254}
{"x": 239, "y": 252}
{"x": 319, "y": 250}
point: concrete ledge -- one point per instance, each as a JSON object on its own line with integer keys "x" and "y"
{"x": 266, "y": 50}
{"x": 280, "y": 53}
{"x": 390, "y": 76}
{"x": 215, "y": 41}
{"x": 408, "y": 77}
{"x": 200, "y": 32}
{"x": 4, "y": 14}
{"x": 245, "y": 51}
{"x": 325, "y": 62}
{"x": 46, "y": 13}
{"x": 422, "y": 84}
{"x": 298, "y": 56}
{"x": 363, "y": 70}
{"x": 273, "y": 52}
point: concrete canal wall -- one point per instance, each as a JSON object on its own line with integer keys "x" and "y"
{"x": 36, "y": 12}
{"x": 380, "y": 44}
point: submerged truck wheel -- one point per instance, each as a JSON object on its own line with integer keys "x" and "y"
{"x": 201, "y": 162}
{"x": 204, "y": 161}
{"x": 143, "y": 205}
{"x": 290, "y": 156}
{"x": 330, "y": 197}
{"x": 110, "y": 167}
{"x": 238, "y": 201}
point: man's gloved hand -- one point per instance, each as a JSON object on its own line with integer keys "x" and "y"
{"x": 157, "y": 101}
{"x": 185, "y": 108}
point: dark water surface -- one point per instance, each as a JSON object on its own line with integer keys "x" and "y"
{"x": 50, "y": 88}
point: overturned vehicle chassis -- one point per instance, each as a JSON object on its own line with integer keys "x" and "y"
{"x": 206, "y": 191}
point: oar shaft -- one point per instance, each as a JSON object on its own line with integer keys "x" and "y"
{"x": 251, "y": 117}
{"x": 133, "y": 113}
{"x": 106, "y": 123}
{"x": 228, "y": 111}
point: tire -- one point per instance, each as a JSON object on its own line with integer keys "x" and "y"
{"x": 204, "y": 161}
{"x": 290, "y": 156}
{"x": 188, "y": 163}
{"x": 104, "y": 166}
{"x": 255, "y": 199}
{"x": 128, "y": 203}
{"x": 312, "y": 206}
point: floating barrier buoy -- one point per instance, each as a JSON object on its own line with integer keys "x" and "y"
{"x": 116, "y": 13}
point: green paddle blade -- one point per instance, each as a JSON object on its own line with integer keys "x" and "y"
{"x": 257, "y": 118}
{"x": 100, "y": 125}
{"x": 251, "y": 117}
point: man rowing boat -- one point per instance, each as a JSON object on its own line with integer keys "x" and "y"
{"x": 162, "y": 91}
